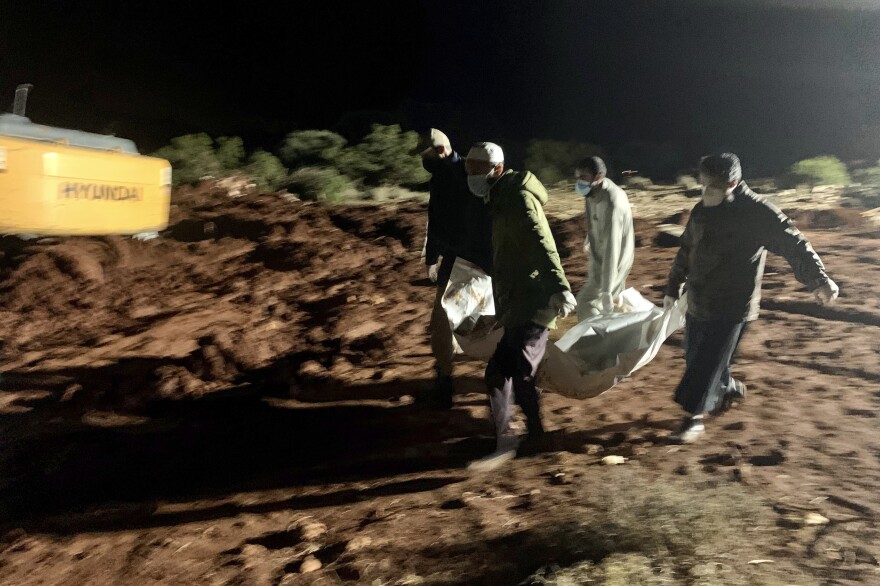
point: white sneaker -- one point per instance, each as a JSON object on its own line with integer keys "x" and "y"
{"x": 690, "y": 431}
{"x": 505, "y": 451}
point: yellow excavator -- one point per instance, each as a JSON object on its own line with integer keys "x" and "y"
{"x": 62, "y": 182}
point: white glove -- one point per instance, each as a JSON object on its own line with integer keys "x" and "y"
{"x": 563, "y": 303}
{"x": 433, "y": 272}
{"x": 668, "y": 302}
{"x": 827, "y": 293}
{"x": 607, "y": 303}
{"x": 587, "y": 247}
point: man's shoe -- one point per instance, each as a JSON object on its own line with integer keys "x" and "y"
{"x": 505, "y": 450}
{"x": 540, "y": 442}
{"x": 691, "y": 430}
{"x": 731, "y": 399}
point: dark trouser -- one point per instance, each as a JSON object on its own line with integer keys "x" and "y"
{"x": 441, "y": 333}
{"x": 510, "y": 376}
{"x": 709, "y": 348}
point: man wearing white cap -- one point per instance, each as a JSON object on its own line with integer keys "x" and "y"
{"x": 530, "y": 291}
{"x": 458, "y": 226}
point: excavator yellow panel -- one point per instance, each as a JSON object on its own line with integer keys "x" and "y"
{"x": 51, "y": 188}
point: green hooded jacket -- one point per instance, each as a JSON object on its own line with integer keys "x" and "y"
{"x": 527, "y": 270}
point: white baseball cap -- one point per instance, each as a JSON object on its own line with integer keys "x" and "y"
{"x": 486, "y": 151}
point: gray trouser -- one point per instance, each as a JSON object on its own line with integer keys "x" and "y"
{"x": 442, "y": 345}
{"x": 709, "y": 348}
{"x": 510, "y": 376}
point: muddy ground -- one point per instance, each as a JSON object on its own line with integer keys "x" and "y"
{"x": 232, "y": 403}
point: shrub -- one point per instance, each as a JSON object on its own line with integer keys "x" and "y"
{"x": 318, "y": 184}
{"x": 311, "y": 148}
{"x": 266, "y": 171}
{"x": 825, "y": 170}
{"x": 637, "y": 182}
{"x": 868, "y": 193}
{"x": 553, "y": 161}
{"x": 386, "y": 156}
{"x": 230, "y": 152}
{"x": 192, "y": 157}
{"x": 687, "y": 181}
{"x": 867, "y": 176}
{"x": 196, "y": 155}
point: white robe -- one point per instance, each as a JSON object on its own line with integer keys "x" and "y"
{"x": 612, "y": 244}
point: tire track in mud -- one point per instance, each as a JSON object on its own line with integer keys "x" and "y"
{"x": 844, "y": 316}
{"x": 832, "y": 370}
{"x": 812, "y": 309}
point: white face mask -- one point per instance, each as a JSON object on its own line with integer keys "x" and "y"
{"x": 713, "y": 196}
{"x": 479, "y": 184}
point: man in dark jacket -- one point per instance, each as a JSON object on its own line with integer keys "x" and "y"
{"x": 458, "y": 226}
{"x": 721, "y": 262}
{"x": 530, "y": 291}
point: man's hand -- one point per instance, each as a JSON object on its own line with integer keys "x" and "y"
{"x": 827, "y": 293}
{"x": 587, "y": 247}
{"x": 668, "y": 302}
{"x": 433, "y": 271}
{"x": 563, "y": 303}
{"x": 607, "y": 301}
{"x": 439, "y": 148}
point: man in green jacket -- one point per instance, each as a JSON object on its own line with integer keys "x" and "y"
{"x": 530, "y": 291}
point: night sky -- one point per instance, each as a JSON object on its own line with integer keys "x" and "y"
{"x": 775, "y": 81}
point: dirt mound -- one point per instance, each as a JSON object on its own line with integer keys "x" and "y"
{"x": 51, "y": 275}
{"x": 840, "y": 218}
{"x": 272, "y": 278}
{"x": 569, "y": 234}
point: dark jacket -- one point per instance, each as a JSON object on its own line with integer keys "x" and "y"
{"x": 722, "y": 255}
{"x": 527, "y": 270}
{"x": 458, "y": 221}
